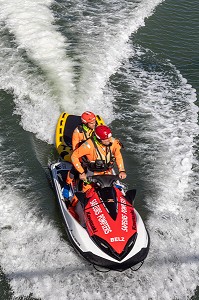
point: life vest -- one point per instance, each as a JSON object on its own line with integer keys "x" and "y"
{"x": 103, "y": 162}
{"x": 86, "y": 131}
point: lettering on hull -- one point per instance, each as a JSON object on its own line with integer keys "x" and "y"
{"x": 117, "y": 239}
{"x": 88, "y": 215}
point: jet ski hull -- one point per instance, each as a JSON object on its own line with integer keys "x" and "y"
{"x": 80, "y": 238}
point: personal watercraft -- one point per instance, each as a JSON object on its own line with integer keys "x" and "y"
{"x": 104, "y": 227}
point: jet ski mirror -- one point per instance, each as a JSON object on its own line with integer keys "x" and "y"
{"x": 130, "y": 195}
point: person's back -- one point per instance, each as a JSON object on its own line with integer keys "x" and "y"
{"x": 85, "y": 130}
{"x": 81, "y": 133}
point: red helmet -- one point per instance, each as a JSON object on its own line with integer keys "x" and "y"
{"x": 88, "y": 117}
{"x": 103, "y": 132}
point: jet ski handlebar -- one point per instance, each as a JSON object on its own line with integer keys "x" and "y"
{"x": 103, "y": 180}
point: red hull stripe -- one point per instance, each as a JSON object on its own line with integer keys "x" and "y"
{"x": 100, "y": 223}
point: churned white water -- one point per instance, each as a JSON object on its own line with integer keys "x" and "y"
{"x": 32, "y": 253}
{"x": 31, "y": 22}
{"x": 34, "y": 258}
{"x": 33, "y": 97}
{"x": 104, "y": 36}
{"x": 164, "y": 121}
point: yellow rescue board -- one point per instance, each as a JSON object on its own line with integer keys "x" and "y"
{"x": 64, "y": 129}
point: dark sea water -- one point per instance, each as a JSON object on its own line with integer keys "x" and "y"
{"x": 135, "y": 63}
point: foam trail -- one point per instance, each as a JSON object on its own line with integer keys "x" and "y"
{"x": 31, "y": 22}
{"x": 105, "y": 34}
{"x": 162, "y": 136}
{"x": 33, "y": 97}
{"x": 38, "y": 259}
{"x": 169, "y": 127}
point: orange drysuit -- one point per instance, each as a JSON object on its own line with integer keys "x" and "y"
{"x": 88, "y": 149}
{"x": 80, "y": 135}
